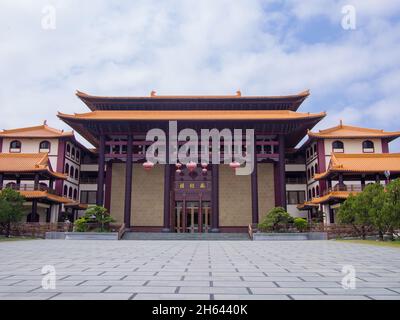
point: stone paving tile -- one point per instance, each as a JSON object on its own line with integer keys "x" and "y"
{"x": 141, "y": 289}
{"x": 330, "y": 297}
{"x": 359, "y": 291}
{"x": 211, "y": 290}
{"x": 373, "y": 297}
{"x": 285, "y": 291}
{"x": 93, "y": 296}
{"x": 147, "y": 296}
{"x": 197, "y": 270}
{"x": 251, "y": 297}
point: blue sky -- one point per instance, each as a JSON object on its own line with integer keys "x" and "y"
{"x": 201, "y": 47}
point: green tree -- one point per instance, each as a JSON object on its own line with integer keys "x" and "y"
{"x": 391, "y": 209}
{"x": 373, "y": 198}
{"x": 276, "y": 220}
{"x": 11, "y": 208}
{"x": 354, "y": 212}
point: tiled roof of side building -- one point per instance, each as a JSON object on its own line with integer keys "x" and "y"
{"x": 38, "y": 194}
{"x": 362, "y": 163}
{"x": 332, "y": 195}
{"x": 27, "y": 163}
{"x": 343, "y": 131}
{"x": 42, "y": 131}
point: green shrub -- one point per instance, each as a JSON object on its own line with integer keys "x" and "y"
{"x": 96, "y": 219}
{"x": 81, "y": 225}
{"x": 300, "y": 224}
{"x": 276, "y": 220}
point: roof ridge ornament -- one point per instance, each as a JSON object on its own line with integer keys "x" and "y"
{"x": 153, "y": 93}
{"x": 238, "y": 93}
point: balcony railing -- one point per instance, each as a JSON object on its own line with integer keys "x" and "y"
{"x": 29, "y": 187}
{"x": 349, "y": 187}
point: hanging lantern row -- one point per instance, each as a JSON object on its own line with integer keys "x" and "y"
{"x": 148, "y": 165}
{"x": 234, "y": 165}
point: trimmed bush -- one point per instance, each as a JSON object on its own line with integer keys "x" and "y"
{"x": 276, "y": 220}
{"x": 300, "y": 224}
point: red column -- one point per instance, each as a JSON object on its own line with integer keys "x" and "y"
{"x": 128, "y": 183}
{"x": 100, "y": 180}
{"x": 254, "y": 185}
{"x": 282, "y": 174}
{"x": 214, "y": 197}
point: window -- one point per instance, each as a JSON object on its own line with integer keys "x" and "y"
{"x": 313, "y": 192}
{"x": 88, "y": 197}
{"x": 15, "y": 146}
{"x": 295, "y": 197}
{"x": 70, "y": 192}
{"x": 337, "y": 146}
{"x": 368, "y": 146}
{"x": 65, "y": 191}
{"x": 315, "y": 148}
{"x": 75, "y": 194}
{"x": 317, "y": 191}
{"x": 71, "y": 172}
{"x": 316, "y": 168}
{"x": 309, "y": 195}
{"x": 77, "y": 155}
{"x": 311, "y": 152}
{"x": 11, "y": 185}
{"x": 44, "y": 146}
{"x": 66, "y": 168}
{"x": 312, "y": 172}
{"x": 73, "y": 153}
{"x": 68, "y": 149}
{"x": 76, "y": 174}
{"x": 308, "y": 174}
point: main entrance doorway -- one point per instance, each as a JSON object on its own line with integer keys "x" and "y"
{"x": 192, "y": 201}
{"x": 192, "y": 216}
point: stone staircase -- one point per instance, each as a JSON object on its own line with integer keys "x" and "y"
{"x": 186, "y": 236}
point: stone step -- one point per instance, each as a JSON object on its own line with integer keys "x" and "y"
{"x": 185, "y": 236}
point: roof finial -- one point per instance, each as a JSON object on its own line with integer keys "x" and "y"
{"x": 153, "y": 93}
{"x": 45, "y": 122}
{"x": 341, "y": 123}
{"x": 239, "y": 93}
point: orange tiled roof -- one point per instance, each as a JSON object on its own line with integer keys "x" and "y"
{"x": 306, "y": 205}
{"x": 213, "y": 115}
{"x": 153, "y": 95}
{"x": 344, "y": 131}
{"x": 332, "y": 195}
{"x": 27, "y": 163}
{"x": 37, "y": 194}
{"x": 42, "y": 131}
{"x": 362, "y": 163}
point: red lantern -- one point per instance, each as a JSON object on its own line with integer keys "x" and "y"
{"x": 204, "y": 165}
{"x": 148, "y": 165}
{"x": 178, "y": 165}
{"x": 191, "y": 166}
{"x": 204, "y": 171}
{"x": 234, "y": 165}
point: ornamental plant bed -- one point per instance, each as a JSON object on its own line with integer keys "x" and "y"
{"x": 289, "y": 236}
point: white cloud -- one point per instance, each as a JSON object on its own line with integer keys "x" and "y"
{"x": 125, "y": 48}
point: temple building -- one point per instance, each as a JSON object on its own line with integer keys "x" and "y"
{"x": 209, "y": 197}
{"x": 43, "y": 164}
{"x": 342, "y": 160}
{"x": 199, "y": 196}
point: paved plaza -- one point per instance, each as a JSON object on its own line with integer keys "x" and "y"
{"x": 197, "y": 270}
